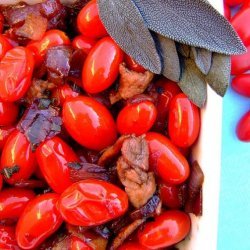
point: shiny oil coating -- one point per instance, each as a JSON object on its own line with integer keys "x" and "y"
{"x": 89, "y": 122}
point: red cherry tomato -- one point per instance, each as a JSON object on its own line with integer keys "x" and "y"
{"x": 170, "y": 195}
{"x": 17, "y": 156}
{"x": 168, "y": 229}
{"x": 13, "y": 201}
{"x": 167, "y": 90}
{"x": 4, "y": 134}
{"x": 84, "y": 43}
{"x": 89, "y": 23}
{"x": 227, "y": 11}
{"x": 55, "y": 152}
{"x": 1, "y": 22}
{"x": 240, "y": 63}
{"x": 132, "y": 246}
{"x": 63, "y": 93}
{"x": 233, "y": 3}
{"x": 137, "y": 118}
{"x": 1, "y": 182}
{"x": 166, "y": 160}
{"x": 8, "y": 238}
{"x": 241, "y": 84}
{"x": 8, "y": 113}
{"x": 38, "y": 221}
{"x": 51, "y": 38}
{"x": 243, "y": 128}
{"x": 4, "y": 45}
{"x": 240, "y": 22}
{"x": 89, "y": 122}
{"x": 133, "y": 65}
{"x": 184, "y": 121}
{"x": 92, "y": 202}
{"x": 101, "y": 66}
{"x": 16, "y": 70}
{"x": 78, "y": 244}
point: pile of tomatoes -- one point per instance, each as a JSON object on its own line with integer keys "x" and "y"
{"x": 241, "y": 64}
{"x": 37, "y": 196}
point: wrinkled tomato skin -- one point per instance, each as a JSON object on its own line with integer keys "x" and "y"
{"x": 167, "y": 90}
{"x": 8, "y": 113}
{"x": 227, "y": 11}
{"x": 89, "y": 23}
{"x": 241, "y": 84}
{"x": 8, "y": 238}
{"x": 4, "y": 134}
{"x": 240, "y": 22}
{"x": 101, "y": 66}
{"x": 51, "y": 38}
{"x": 4, "y": 45}
{"x": 233, "y": 3}
{"x": 170, "y": 195}
{"x": 55, "y": 152}
{"x": 16, "y": 70}
{"x": 89, "y": 122}
{"x": 137, "y": 118}
{"x": 13, "y": 201}
{"x": 63, "y": 93}
{"x": 38, "y": 221}
{"x": 132, "y": 246}
{"x": 243, "y": 128}
{"x": 17, "y": 152}
{"x": 168, "y": 229}
{"x": 78, "y": 244}
{"x": 133, "y": 65}
{"x": 84, "y": 43}
{"x": 184, "y": 121}
{"x": 240, "y": 63}
{"x": 92, "y": 202}
{"x": 166, "y": 160}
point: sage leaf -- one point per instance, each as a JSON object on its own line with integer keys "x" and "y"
{"x": 193, "y": 84}
{"x": 126, "y": 26}
{"x": 203, "y": 59}
{"x": 171, "y": 63}
{"x": 183, "y": 49}
{"x": 219, "y": 75}
{"x": 192, "y": 22}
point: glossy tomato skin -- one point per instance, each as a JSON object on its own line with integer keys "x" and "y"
{"x": 55, "y": 152}
{"x": 89, "y": 122}
{"x": 4, "y": 134}
{"x": 89, "y": 23}
{"x": 241, "y": 84}
{"x": 240, "y": 63}
{"x": 166, "y": 160}
{"x": 17, "y": 152}
{"x": 101, "y": 66}
{"x": 133, "y": 65}
{"x": 243, "y": 128}
{"x": 166, "y": 90}
{"x": 4, "y": 45}
{"x": 84, "y": 43}
{"x": 168, "y": 229}
{"x": 240, "y": 22}
{"x": 227, "y": 11}
{"x": 13, "y": 201}
{"x": 137, "y": 118}
{"x": 51, "y": 38}
{"x": 1, "y": 22}
{"x": 132, "y": 246}
{"x": 8, "y": 238}
{"x": 38, "y": 221}
{"x": 184, "y": 121}
{"x": 233, "y": 3}
{"x": 63, "y": 93}
{"x": 92, "y": 202}
{"x": 16, "y": 68}
{"x": 78, "y": 244}
{"x": 8, "y": 113}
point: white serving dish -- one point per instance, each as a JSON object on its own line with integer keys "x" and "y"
{"x": 208, "y": 153}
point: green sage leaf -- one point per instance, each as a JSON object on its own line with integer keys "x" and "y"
{"x": 219, "y": 75}
{"x": 171, "y": 63}
{"x": 126, "y": 26}
{"x": 192, "y": 22}
{"x": 193, "y": 84}
{"x": 202, "y": 58}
